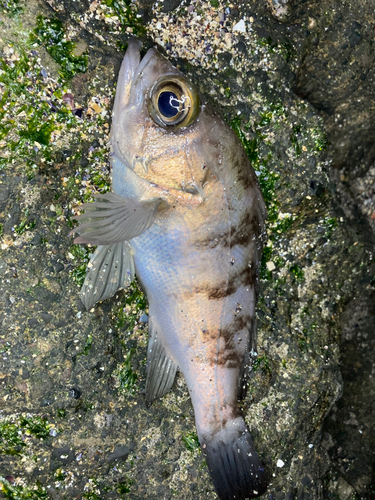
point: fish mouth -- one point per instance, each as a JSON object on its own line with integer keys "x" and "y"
{"x": 145, "y": 59}
{"x": 131, "y": 67}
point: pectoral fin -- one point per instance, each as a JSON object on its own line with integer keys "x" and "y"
{"x": 111, "y": 267}
{"x": 161, "y": 369}
{"x": 112, "y": 219}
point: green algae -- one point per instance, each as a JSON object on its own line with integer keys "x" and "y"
{"x": 329, "y": 224}
{"x": 26, "y": 224}
{"x": 267, "y": 179}
{"x": 191, "y": 441}
{"x": 91, "y": 495}
{"x": 127, "y": 15}
{"x": 31, "y": 108}
{"x": 15, "y": 431}
{"x": 262, "y": 363}
{"x": 61, "y": 413}
{"x": 297, "y": 272}
{"x": 51, "y": 33}
{"x": 18, "y": 492}
{"x": 124, "y": 487}
{"x": 102, "y": 181}
{"x": 95, "y": 490}
{"x": 227, "y": 93}
{"x": 127, "y": 311}
{"x": 126, "y": 376}
{"x": 11, "y": 7}
{"x": 284, "y": 49}
{"x": 319, "y": 139}
{"x": 125, "y": 315}
{"x": 81, "y": 256}
{"x": 86, "y": 347}
{"x": 305, "y": 141}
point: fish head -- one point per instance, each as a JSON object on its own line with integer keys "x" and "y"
{"x": 159, "y": 127}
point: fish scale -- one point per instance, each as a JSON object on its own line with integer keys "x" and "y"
{"x": 188, "y": 201}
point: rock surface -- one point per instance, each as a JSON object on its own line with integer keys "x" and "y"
{"x": 296, "y": 81}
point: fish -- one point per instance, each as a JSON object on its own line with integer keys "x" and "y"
{"x": 187, "y": 217}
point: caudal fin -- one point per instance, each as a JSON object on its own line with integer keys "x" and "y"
{"x": 234, "y": 465}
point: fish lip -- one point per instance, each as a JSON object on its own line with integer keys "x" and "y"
{"x": 135, "y": 47}
{"x": 144, "y": 62}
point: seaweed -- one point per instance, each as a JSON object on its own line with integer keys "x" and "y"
{"x": 50, "y": 33}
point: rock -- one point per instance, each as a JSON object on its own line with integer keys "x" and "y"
{"x": 121, "y": 452}
{"x": 61, "y": 457}
{"x": 344, "y": 490}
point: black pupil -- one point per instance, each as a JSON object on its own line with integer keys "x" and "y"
{"x": 168, "y": 104}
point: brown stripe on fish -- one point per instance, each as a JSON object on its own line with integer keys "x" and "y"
{"x": 240, "y": 276}
{"x": 244, "y": 276}
{"x": 239, "y": 323}
{"x": 232, "y": 345}
{"x": 208, "y": 289}
{"x": 244, "y": 175}
{"x": 231, "y": 412}
{"x": 214, "y": 240}
{"x": 242, "y": 232}
{"x": 229, "y": 359}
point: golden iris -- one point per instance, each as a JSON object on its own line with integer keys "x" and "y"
{"x": 173, "y": 102}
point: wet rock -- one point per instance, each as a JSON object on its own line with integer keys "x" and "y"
{"x": 169, "y": 5}
{"x": 61, "y": 457}
{"x": 74, "y": 393}
{"x": 46, "y": 317}
{"x": 3, "y": 268}
{"x": 121, "y": 452}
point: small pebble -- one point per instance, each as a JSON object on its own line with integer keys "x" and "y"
{"x": 143, "y": 318}
{"x": 68, "y": 99}
{"x": 240, "y": 26}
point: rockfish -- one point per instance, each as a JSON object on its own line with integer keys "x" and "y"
{"x": 185, "y": 215}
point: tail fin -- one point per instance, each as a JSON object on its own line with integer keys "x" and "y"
{"x": 234, "y": 465}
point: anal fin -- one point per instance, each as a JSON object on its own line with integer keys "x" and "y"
{"x": 161, "y": 369}
{"x": 111, "y": 267}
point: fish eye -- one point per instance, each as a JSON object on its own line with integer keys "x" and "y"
{"x": 173, "y": 102}
{"x": 169, "y": 104}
